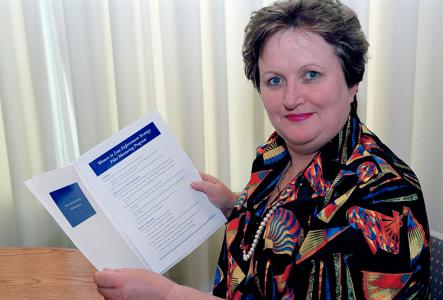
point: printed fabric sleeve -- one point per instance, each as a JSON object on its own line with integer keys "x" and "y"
{"x": 388, "y": 217}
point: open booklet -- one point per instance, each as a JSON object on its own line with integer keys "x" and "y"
{"x": 127, "y": 202}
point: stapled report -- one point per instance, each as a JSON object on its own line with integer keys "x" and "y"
{"x": 127, "y": 202}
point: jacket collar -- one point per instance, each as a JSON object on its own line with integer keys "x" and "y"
{"x": 326, "y": 163}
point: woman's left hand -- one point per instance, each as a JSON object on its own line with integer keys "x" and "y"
{"x": 218, "y": 193}
{"x": 132, "y": 284}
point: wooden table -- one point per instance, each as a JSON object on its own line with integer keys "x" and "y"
{"x": 45, "y": 273}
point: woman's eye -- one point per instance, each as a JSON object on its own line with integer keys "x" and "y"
{"x": 275, "y": 81}
{"x": 311, "y": 75}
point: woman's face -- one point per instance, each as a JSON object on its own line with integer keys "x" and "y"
{"x": 303, "y": 89}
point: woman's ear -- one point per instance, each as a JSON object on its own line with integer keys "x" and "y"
{"x": 352, "y": 92}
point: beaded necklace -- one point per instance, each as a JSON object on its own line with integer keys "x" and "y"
{"x": 272, "y": 209}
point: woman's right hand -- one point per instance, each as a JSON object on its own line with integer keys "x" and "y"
{"x": 218, "y": 193}
{"x": 135, "y": 284}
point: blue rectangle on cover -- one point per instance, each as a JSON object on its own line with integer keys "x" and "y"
{"x": 73, "y": 204}
{"x": 124, "y": 149}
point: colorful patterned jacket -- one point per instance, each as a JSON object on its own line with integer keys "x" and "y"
{"x": 352, "y": 225}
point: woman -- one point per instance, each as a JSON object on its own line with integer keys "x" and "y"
{"x": 329, "y": 211}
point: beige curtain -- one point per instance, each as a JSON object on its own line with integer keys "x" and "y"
{"x": 73, "y": 72}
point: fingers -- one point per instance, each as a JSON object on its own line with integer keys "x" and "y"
{"x": 106, "y": 279}
{"x": 107, "y": 293}
{"x": 200, "y": 186}
{"x": 209, "y": 178}
{"x": 107, "y": 282}
{"x": 205, "y": 185}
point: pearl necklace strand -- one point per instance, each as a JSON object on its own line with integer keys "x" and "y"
{"x": 248, "y": 255}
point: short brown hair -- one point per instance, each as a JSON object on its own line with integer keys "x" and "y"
{"x": 336, "y": 23}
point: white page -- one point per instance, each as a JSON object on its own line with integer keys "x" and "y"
{"x": 145, "y": 191}
{"x": 93, "y": 234}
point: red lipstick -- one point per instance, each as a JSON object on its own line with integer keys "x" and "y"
{"x": 298, "y": 117}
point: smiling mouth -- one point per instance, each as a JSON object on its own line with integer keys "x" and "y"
{"x": 298, "y": 117}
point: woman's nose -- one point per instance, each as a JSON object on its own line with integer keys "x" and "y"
{"x": 294, "y": 96}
